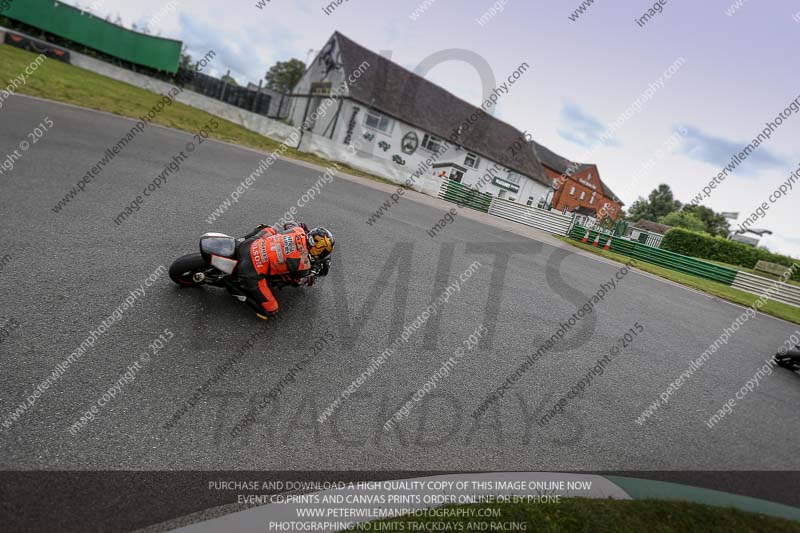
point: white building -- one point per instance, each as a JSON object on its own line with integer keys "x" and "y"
{"x": 362, "y": 109}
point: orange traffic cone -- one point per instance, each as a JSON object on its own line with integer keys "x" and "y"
{"x": 608, "y": 243}
{"x": 596, "y": 239}
{"x": 585, "y": 237}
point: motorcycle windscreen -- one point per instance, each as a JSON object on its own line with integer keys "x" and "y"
{"x": 220, "y": 245}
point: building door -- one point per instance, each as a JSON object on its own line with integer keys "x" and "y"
{"x": 456, "y": 175}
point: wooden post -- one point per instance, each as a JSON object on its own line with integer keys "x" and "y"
{"x": 255, "y": 100}
{"x": 224, "y": 85}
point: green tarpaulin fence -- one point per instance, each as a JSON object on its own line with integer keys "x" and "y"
{"x": 80, "y": 27}
{"x": 670, "y": 260}
{"x": 453, "y": 191}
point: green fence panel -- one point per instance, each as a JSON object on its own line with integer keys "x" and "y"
{"x": 663, "y": 258}
{"x": 467, "y": 197}
{"x": 70, "y": 23}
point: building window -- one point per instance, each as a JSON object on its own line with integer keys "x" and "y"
{"x": 583, "y": 195}
{"x": 513, "y": 177}
{"x": 572, "y": 191}
{"x": 591, "y": 200}
{"x": 456, "y": 175}
{"x": 433, "y": 144}
{"x": 378, "y": 122}
{"x": 472, "y": 160}
{"x": 589, "y": 177}
{"x": 502, "y": 194}
{"x": 530, "y": 200}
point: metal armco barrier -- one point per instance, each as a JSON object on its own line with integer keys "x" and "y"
{"x": 663, "y": 258}
{"x": 452, "y": 191}
{"x": 783, "y": 292}
{"x": 744, "y": 281}
{"x": 542, "y": 219}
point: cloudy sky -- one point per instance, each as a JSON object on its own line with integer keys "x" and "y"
{"x": 735, "y": 71}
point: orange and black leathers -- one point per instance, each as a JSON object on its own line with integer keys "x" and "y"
{"x": 267, "y": 254}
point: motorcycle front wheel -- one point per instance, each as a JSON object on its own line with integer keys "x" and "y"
{"x": 788, "y": 362}
{"x": 184, "y": 268}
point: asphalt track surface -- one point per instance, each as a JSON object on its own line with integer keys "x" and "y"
{"x": 69, "y": 271}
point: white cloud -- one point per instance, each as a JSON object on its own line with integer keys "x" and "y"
{"x": 781, "y": 245}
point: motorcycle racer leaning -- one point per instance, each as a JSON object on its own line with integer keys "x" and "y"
{"x": 289, "y": 255}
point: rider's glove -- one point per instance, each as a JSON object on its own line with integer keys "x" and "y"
{"x": 326, "y": 266}
{"x": 256, "y": 231}
{"x": 292, "y": 224}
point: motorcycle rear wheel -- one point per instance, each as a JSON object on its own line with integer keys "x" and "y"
{"x": 183, "y": 269}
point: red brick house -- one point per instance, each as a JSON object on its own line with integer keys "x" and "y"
{"x": 582, "y": 187}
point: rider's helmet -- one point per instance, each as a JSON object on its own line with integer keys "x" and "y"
{"x": 320, "y": 243}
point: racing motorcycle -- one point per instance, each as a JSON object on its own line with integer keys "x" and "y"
{"x": 215, "y": 265}
{"x": 789, "y": 360}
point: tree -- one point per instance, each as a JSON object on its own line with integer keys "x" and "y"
{"x": 659, "y": 203}
{"x": 716, "y": 224}
{"x": 284, "y": 75}
{"x": 186, "y": 61}
{"x": 230, "y": 79}
{"x": 683, "y": 219}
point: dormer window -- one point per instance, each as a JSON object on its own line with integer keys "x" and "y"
{"x": 472, "y": 160}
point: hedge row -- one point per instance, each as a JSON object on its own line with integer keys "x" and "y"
{"x": 705, "y": 246}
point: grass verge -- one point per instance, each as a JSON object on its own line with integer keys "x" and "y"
{"x": 58, "y": 81}
{"x": 777, "y": 309}
{"x": 595, "y": 515}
